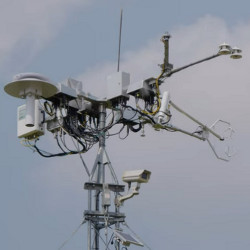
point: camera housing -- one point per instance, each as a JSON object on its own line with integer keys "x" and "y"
{"x": 139, "y": 176}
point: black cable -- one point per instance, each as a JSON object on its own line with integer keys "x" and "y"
{"x": 123, "y": 126}
{"x": 112, "y": 124}
{"x": 133, "y": 129}
{"x": 135, "y": 112}
{"x": 169, "y": 115}
{"x": 122, "y": 138}
{"x": 49, "y": 155}
{"x": 59, "y": 145}
{"x": 141, "y": 113}
{"x": 72, "y": 127}
{"x": 48, "y": 109}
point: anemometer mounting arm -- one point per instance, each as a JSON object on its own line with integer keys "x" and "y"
{"x": 224, "y": 49}
{"x": 203, "y": 126}
{"x": 204, "y": 133}
{"x": 168, "y": 74}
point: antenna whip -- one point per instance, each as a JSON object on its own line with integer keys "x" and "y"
{"x": 119, "y": 47}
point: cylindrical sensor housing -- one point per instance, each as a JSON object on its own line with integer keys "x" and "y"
{"x": 30, "y": 110}
{"x": 164, "y": 106}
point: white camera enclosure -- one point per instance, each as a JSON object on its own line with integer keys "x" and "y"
{"x": 140, "y": 176}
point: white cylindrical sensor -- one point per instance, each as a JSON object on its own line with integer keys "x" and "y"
{"x": 30, "y": 110}
{"x": 164, "y": 105}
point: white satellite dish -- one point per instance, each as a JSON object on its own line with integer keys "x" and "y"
{"x": 30, "y": 86}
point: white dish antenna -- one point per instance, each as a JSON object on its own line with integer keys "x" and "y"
{"x": 30, "y": 86}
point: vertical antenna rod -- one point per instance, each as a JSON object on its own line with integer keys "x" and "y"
{"x": 119, "y": 47}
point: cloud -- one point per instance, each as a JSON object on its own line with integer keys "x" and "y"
{"x": 27, "y": 26}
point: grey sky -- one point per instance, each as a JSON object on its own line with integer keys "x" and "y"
{"x": 193, "y": 201}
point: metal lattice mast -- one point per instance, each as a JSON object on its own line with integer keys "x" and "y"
{"x": 98, "y": 207}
